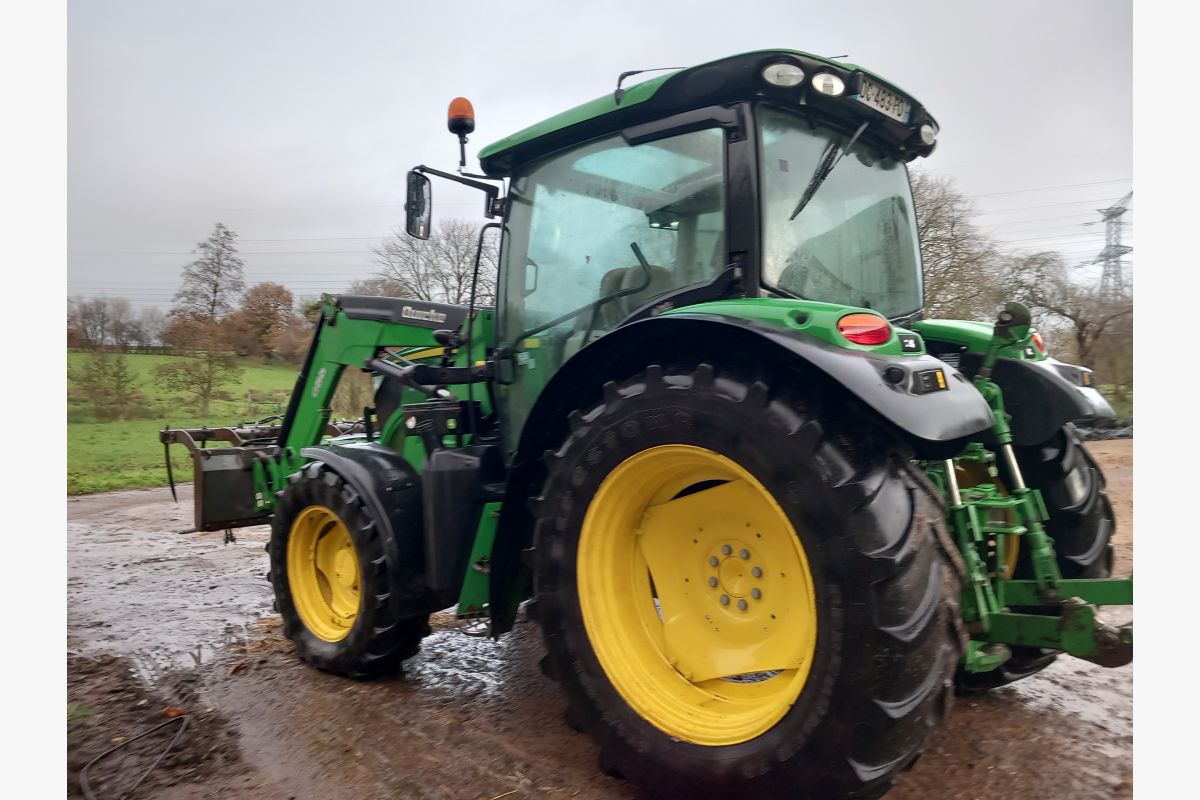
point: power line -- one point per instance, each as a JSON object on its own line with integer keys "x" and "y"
{"x": 1054, "y": 188}
{"x": 934, "y": 166}
{"x": 385, "y": 238}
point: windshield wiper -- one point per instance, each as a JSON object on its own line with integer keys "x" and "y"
{"x": 829, "y": 159}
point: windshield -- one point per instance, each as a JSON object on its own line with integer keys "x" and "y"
{"x": 855, "y": 241}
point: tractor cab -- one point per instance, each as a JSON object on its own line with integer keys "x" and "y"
{"x": 768, "y": 174}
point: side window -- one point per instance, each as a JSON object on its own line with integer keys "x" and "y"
{"x": 570, "y": 271}
{"x": 576, "y": 240}
{"x": 577, "y": 215}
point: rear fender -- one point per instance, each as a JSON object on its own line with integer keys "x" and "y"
{"x": 1042, "y": 396}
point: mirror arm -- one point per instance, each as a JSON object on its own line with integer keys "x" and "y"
{"x": 491, "y": 208}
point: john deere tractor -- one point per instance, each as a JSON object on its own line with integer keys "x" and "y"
{"x": 767, "y": 516}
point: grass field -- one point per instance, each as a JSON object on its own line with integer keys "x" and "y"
{"x": 120, "y": 455}
{"x": 127, "y": 454}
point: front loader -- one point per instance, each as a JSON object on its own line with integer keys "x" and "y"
{"x": 766, "y": 514}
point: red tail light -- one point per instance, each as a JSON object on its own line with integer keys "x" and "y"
{"x": 1038, "y": 343}
{"x": 865, "y": 328}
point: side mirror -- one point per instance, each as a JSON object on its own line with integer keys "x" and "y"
{"x": 419, "y": 206}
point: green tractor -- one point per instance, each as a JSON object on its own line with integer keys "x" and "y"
{"x": 766, "y": 515}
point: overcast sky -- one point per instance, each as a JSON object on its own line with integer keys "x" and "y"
{"x": 294, "y": 122}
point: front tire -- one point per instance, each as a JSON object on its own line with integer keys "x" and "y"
{"x": 333, "y": 588}
{"x": 820, "y": 674}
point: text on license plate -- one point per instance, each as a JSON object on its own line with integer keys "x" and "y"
{"x": 883, "y": 100}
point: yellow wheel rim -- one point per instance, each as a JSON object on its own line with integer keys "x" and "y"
{"x": 323, "y": 573}
{"x": 696, "y": 595}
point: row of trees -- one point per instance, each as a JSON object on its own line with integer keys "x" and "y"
{"x": 969, "y": 276}
{"x": 110, "y": 322}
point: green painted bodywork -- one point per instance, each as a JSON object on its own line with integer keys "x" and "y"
{"x": 349, "y": 343}
{"x": 476, "y": 589}
{"x": 635, "y": 94}
{"x": 976, "y": 337}
{"x": 807, "y": 317}
{"x": 981, "y": 517}
{"x": 638, "y": 93}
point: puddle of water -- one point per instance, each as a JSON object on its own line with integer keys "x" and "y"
{"x": 170, "y": 597}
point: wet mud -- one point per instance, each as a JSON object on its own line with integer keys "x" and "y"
{"x": 476, "y": 719}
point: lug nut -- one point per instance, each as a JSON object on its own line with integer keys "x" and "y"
{"x": 744, "y": 553}
{"x": 724, "y": 599}
{"x": 712, "y": 582}
{"x": 756, "y": 572}
{"x": 712, "y": 561}
{"x": 726, "y": 549}
{"x": 742, "y": 605}
{"x": 756, "y": 593}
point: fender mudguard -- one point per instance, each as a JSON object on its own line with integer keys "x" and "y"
{"x": 391, "y": 489}
{"x": 951, "y": 415}
{"x": 936, "y": 424}
{"x": 1042, "y": 396}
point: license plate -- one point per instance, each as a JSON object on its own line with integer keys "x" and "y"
{"x": 885, "y": 101}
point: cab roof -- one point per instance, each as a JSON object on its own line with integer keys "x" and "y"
{"x": 717, "y": 82}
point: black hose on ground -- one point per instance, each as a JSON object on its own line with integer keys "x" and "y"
{"x": 83, "y": 779}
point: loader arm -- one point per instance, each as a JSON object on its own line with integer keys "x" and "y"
{"x": 236, "y": 484}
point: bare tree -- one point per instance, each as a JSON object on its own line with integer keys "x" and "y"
{"x": 291, "y": 342}
{"x": 90, "y": 320}
{"x": 199, "y": 378}
{"x": 1046, "y": 284}
{"x": 102, "y": 321}
{"x": 378, "y": 287}
{"x": 962, "y": 267}
{"x": 440, "y": 267}
{"x": 151, "y": 323}
{"x": 122, "y": 323}
{"x": 214, "y": 281}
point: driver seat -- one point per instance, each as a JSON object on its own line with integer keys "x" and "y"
{"x": 612, "y": 312}
{"x": 623, "y": 278}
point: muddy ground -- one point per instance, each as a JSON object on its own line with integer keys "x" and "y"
{"x": 160, "y": 620}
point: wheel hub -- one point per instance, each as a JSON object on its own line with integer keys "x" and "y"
{"x": 735, "y": 573}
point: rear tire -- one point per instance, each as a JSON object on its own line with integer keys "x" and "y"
{"x": 1081, "y": 516}
{"x": 1081, "y": 525}
{"x": 885, "y": 579}
{"x": 374, "y": 639}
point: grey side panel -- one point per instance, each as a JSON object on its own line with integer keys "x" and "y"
{"x": 421, "y": 313}
{"x": 1038, "y": 398}
{"x": 1075, "y": 375}
{"x": 941, "y": 416}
